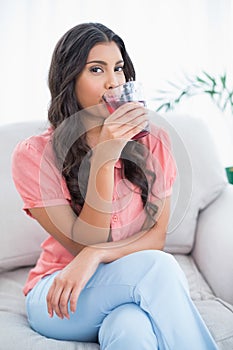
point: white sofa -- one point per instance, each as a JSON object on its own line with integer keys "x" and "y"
{"x": 200, "y": 235}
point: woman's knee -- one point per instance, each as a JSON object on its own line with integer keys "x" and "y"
{"x": 127, "y": 326}
{"x": 161, "y": 266}
{"x": 165, "y": 261}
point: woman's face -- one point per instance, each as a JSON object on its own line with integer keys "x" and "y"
{"x": 103, "y": 70}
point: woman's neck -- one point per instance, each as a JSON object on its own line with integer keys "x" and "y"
{"x": 92, "y": 136}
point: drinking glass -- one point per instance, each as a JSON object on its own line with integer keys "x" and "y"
{"x": 128, "y": 92}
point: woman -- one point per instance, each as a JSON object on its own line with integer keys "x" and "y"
{"x": 104, "y": 199}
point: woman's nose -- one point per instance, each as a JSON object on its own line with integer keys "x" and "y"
{"x": 111, "y": 85}
{"x": 111, "y": 82}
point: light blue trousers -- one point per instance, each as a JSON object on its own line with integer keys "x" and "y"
{"x": 138, "y": 302}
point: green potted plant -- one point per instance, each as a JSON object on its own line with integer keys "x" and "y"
{"x": 216, "y": 87}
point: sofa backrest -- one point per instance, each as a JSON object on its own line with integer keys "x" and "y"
{"x": 20, "y": 236}
{"x": 200, "y": 180}
{"x": 201, "y": 176}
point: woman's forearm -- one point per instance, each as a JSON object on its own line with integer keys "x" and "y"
{"x": 111, "y": 251}
{"x": 153, "y": 238}
{"x": 93, "y": 223}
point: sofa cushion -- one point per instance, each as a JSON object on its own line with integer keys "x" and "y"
{"x": 15, "y": 329}
{"x": 217, "y": 314}
{"x": 20, "y": 236}
{"x": 218, "y": 317}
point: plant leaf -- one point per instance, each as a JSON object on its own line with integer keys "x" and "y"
{"x": 225, "y": 104}
{"x": 158, "y": 99}
{"x": 210, "y": 78}
{"x": 205, "y": 83}
{"x": 165, "y": 106}
{"x": 173, "y": 84}
{"x": 183, "y": 93}
{"x": 164, "y": 91}
{"x": 223, "y": 80}
{"x": 201, "y": 80}
{"x": 189, "y": 80}
{"x": 211, "y": 92}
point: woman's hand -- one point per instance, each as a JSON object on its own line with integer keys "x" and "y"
{"x": 68, "y": 284}
{"x": 125, "y": 122}
{"x": 120, "y": 127}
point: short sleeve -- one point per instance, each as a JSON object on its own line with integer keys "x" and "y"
{"x": 162, "y": 162}
{"x": 36, "y": 176}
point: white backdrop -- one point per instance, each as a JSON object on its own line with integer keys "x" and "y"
{"x": 165, "y": 38}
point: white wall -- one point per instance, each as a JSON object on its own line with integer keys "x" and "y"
{"x": 165, "y": 39}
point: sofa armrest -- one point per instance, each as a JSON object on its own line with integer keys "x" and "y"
{"x": 213, "y": 250}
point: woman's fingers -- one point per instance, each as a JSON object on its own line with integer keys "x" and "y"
{"x": 58, "y": 299}
{"x": 68, "y": 283}
{"x": 135, "y": 129}
{"x": 54, "y": 299}
{"x": 74, "y": 298}
{"x": 126, "y": 112}
{"x": 128, "y": 124}
{"x": 49, "y": 300}
{"x": 63, "y": 302}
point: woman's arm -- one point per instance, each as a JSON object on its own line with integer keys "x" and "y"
{"x": 69, "y": 283}
{"x": 92, "y": 226}
{"x": 153, "y": 238}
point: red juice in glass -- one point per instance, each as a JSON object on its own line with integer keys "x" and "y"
{"x": 128, "y": 92}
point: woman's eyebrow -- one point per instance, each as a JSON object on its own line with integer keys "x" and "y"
{"x": 103, "y": 62}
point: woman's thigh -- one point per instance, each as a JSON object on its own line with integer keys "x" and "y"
{"x": 112, "y": 285}
{"x": 83, "y": 325}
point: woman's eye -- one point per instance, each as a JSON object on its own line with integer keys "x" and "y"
{"x": 119, "y": 69}
{"x": 96, "y": 70}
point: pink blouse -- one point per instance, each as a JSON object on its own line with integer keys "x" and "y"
{"x": 40, "y": 184}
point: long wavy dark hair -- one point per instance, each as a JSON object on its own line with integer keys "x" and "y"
{"x": 68, "y": 61}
